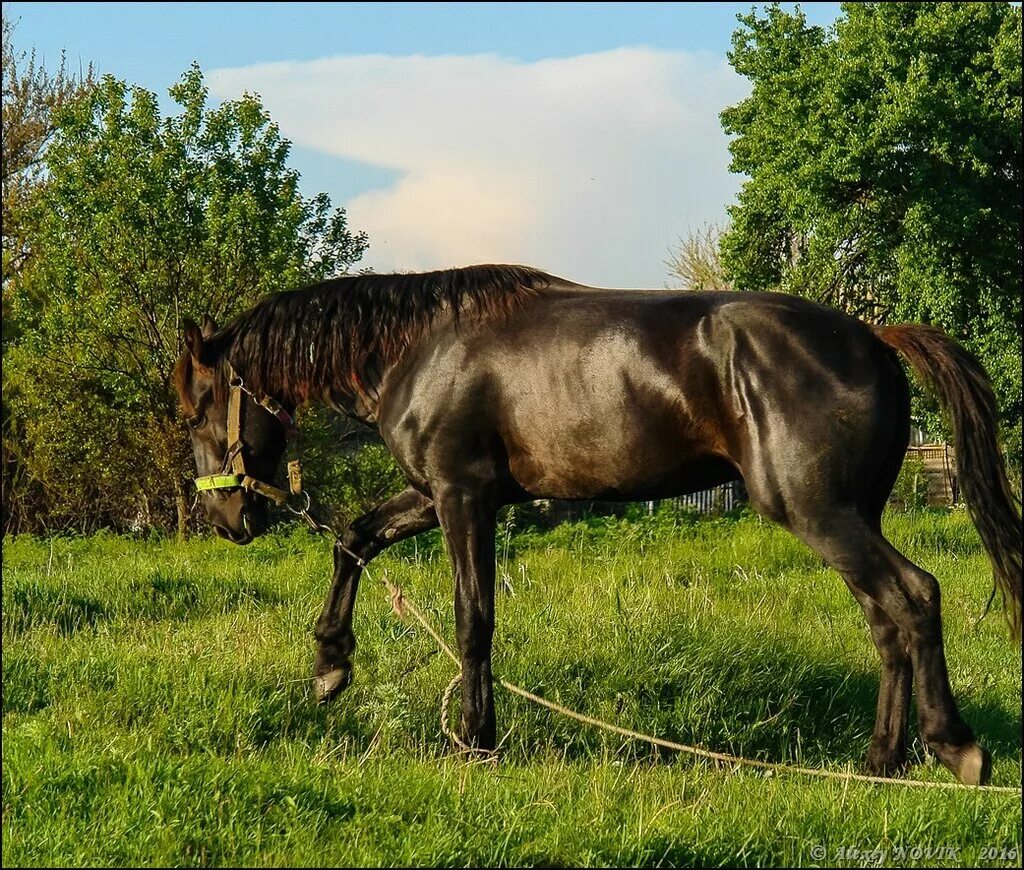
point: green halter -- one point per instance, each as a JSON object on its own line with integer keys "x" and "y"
{"x": 219, "y": 481}
{"x": 234, "y": 459}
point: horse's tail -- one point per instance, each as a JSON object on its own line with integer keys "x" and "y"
{"x": 965, "y": 394}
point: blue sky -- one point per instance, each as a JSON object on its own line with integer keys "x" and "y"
{"x": 623, "y": 98}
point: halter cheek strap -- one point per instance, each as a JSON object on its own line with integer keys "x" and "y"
{"x": 234, "y": 459}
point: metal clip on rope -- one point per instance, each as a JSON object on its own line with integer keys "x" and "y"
{"x": 312, "y": 521}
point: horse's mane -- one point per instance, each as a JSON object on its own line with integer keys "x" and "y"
{"x": 328, "y": 339}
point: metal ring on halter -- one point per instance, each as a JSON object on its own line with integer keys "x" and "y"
{"x": 300, "y": 511}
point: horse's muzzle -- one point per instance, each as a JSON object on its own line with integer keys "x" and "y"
{"x": 240, "y": 537}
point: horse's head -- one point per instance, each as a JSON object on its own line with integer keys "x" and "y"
{"x": 236, "y": 441}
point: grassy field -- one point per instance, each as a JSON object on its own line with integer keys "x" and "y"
{"x": 157, "y": 708}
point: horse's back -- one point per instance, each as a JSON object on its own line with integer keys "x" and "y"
{"x": 635, "y": 394}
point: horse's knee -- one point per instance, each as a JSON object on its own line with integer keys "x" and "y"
{"x": 348, "y": 545}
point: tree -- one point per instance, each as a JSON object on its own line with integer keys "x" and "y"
{"x": 883, "y": 158}
{"x": 696, "y": 262}
{"x": 31, "y": 95}
{"x": 143, "y": 221}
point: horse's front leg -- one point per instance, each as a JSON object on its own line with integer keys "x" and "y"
{"x": 406, "y": 514}
{"x": 467, "y": 521}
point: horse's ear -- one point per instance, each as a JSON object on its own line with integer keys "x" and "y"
{"x": 209, "y": 326}
{"x": 194, "y": 340}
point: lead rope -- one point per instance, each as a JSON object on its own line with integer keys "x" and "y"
{"x": 401, "y": 604}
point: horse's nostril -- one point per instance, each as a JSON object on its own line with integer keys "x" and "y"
{"x": 243, "y": 536}
{"x": 240, "y": 537}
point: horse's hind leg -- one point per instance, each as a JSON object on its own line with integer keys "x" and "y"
{"x": 912, "y": 599}
{"x": 909, "y": 597}
{"x": 406, "y": 514}
{"x": 888, "y": 752}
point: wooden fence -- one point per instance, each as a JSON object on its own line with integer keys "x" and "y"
{"x": 938, "y": 466}
{"x": 717, "y": 500}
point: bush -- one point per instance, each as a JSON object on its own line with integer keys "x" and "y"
{"x": 911, "y": 488}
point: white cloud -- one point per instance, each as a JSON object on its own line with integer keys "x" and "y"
{"x": 588, "y": 166}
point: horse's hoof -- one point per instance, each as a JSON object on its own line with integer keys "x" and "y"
{"x": 975, "y": 767}
{"x": 471, "y": 753}
{"x": 887, "y": 764}
{"x": 327, "y": 686}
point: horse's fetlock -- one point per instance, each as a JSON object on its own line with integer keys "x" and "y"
{"x": 331, "y": 639}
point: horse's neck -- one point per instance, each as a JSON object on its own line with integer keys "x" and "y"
{"x": 357, "y": 397}
{"x": 362, "y": 407}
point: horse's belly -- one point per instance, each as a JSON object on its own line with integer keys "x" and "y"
{"x": 601, "y": 460}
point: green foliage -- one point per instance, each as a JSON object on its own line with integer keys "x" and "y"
{"x": 145, "y": 220}
{"x": 31, "y": 93}
{"x": 346, "y": 466}
{"x": 157, "y": 712}
{"x": 884, "y": 170}
{"x": 911, "y": 487}
{"x": 695, "y": 263}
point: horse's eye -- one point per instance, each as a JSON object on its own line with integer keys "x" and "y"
{"x": 196, "y": 421}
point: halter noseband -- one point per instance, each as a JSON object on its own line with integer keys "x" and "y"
{"x": 235, "y": 461}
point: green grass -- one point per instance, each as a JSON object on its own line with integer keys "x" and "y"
{"x": 157, "y": 708}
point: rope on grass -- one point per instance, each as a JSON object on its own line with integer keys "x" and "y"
{"x": 402, "y": 605}
{"x": 446, "y": 699}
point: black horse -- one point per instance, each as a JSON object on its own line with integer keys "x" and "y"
{"x": 494, "y": 385}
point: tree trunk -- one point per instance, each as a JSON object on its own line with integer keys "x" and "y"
{"x": 182, "y": 504}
